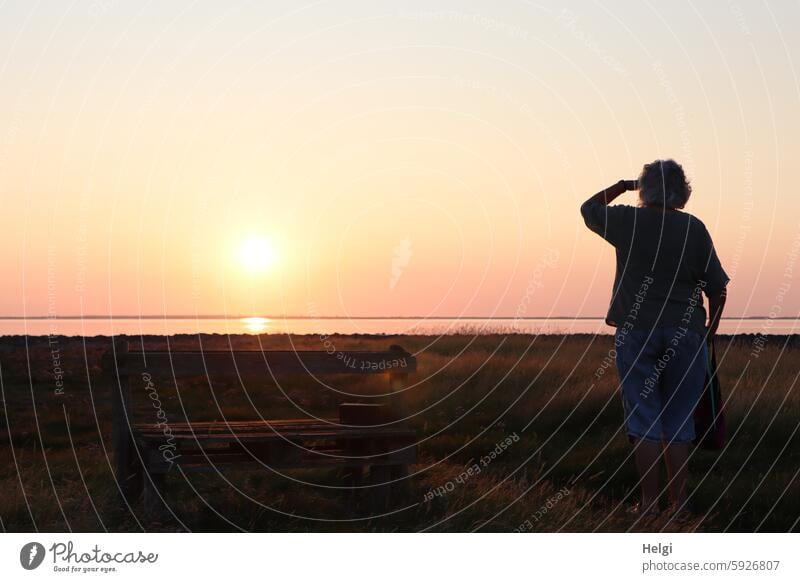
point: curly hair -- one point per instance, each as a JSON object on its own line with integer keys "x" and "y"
{"x": 663, "y": 183}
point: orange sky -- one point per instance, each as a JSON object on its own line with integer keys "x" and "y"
{"x": 427, "y": 159}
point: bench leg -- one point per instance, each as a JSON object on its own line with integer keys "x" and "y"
{"x": 153, "y": 484}
{"x": 353, "y": 479}
{"x": 380, "y": 496}
{"x": 399, "y": 474}
{"x": 128, "y": 471}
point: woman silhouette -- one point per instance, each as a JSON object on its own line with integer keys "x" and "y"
{"x": 665, "y": 262}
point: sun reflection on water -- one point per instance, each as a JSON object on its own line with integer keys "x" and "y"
{"x": 255, "y": 324}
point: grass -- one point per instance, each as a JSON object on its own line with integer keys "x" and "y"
{"x": 568, "y": 467}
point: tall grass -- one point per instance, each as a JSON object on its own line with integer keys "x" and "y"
{"x": 568, "y": 468}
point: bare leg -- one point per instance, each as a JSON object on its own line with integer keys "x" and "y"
{"x": 677, "y": 456}
{"x": 647, "y": 455}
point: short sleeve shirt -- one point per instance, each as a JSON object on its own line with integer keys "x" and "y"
{"x": 665, "y": 262}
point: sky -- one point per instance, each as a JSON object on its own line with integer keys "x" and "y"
{"x": 394, "y": 159}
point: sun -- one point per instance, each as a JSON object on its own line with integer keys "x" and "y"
{"x": 257, "y": 254}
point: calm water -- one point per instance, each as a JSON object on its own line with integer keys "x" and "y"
{"x": 256, "y": 325}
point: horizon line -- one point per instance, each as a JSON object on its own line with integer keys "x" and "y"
{"x": 328, "y": 317}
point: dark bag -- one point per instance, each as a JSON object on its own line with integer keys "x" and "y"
{"x": 709, "y": 415}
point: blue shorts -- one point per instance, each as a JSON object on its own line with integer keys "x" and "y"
{"x": 662, "y": 372}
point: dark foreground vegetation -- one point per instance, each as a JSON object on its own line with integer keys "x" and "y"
{"x": 516, "y": 433}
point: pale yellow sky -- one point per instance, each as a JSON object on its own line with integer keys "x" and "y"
{"x": 423, "y": 159}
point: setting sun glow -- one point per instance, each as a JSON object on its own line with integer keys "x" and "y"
{"x": 255, "y": 324}
{"x": 257, "y": 254}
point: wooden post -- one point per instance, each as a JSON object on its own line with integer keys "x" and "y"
{"x": 398, "y": 380}
{"x": 152, "y": 495}
{"x": 127, "y": 467}
{"x": 380, "y": 477}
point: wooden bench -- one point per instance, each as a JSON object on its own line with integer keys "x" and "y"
{"x": 363, "y": 436}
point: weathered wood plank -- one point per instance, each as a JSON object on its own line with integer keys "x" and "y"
{"x": 217, "y": 425}
{"x": 266, "y": 363}
{"x": 366, "y": 432}
{"x": 216, "y": 461}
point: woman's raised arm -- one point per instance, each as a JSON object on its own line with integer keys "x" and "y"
{"x": 607, "y": 196}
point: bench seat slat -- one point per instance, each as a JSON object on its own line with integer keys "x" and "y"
{"x": 218, "y": 462}
{"x": 267, "y": 434}
{"x": 216, "y": 425}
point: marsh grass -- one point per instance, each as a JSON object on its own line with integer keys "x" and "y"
{"x": 470, "y": 393}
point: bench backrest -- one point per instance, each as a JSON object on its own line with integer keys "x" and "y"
{"x": 256, "y": 362}
{"x": 126, "y": 362}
